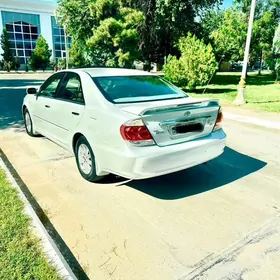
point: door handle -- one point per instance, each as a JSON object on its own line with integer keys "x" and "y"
{"x": 75, "y": 114}
{"x": 47, "y": 106}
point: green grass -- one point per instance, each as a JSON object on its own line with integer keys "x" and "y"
{"x": 21, "y": 256}
{"x": 262, "y": 93}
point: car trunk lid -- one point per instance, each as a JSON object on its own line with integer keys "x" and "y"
{"x": 178, "y": 120}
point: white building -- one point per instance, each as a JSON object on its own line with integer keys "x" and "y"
{"x": 25, "y": 20}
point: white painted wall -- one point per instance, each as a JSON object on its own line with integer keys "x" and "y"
{"x": 46, "y": 29}
{"x": 28, "y": 6}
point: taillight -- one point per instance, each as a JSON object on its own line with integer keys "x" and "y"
{"x": 219, "y": 120}
{"x": 136, "y": 133}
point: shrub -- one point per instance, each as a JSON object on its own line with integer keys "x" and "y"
{"x": 195, "y": 66}
{"x": 174, "y": 71}
{"x": 53, "y": 63}
{"x": 7, "y": 66}
{"x": 61, "y": 63}
{"x": 16, "y": 63}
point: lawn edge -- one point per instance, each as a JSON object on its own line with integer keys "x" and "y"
{"x": 252, "y": 120}
{"x": 49, "y": 247}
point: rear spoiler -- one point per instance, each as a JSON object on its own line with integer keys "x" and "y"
{"x": 184, "y": 106}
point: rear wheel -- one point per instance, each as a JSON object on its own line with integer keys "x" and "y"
{"x": 85, "y": 160}
{"x": 28, "y": 123}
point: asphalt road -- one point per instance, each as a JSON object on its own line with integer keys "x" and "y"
{"x": 215, "y": 221}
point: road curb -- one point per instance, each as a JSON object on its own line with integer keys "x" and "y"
{"x": 49, "y": 247}
{"x": 251, "y": 120}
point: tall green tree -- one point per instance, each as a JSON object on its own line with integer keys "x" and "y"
{"x": 276, "y": 42}
{"x": 211, "y": 20}
{"x": 276, "y": 54}
{"x": 40, "y": 58}
{"x": 76, "y": 16}
{"x": 164, "y": 22}
{"x": 115, "y": 39}
{"x": 262, "y": 37}
{"x": 7, "y": 61}
{"x": 110, "y": 35}
{"x": 78, "y": 53}
{"x": 261, "y": 6}
{"x": 230, "y": 37}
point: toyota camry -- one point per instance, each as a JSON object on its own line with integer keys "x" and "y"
{"x": 127, "y": 122}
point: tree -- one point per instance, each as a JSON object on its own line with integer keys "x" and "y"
{"x": 230, "y": 37}
{"x": 196, "y": 65}
{"x": 107, "y": 30}
{"x": 40, "y": 58}
{"x": 276, "y": 54}
{"x": 76, "y": 16}
{"x": 115, "y": 39}
{"x": 166, "y": 22}
{"x": 7, "y": 61}
{"x": 162, "y": 24}
{"x": 210, "y": 21}
{"x": 262, "y": 38}
{"x": 78, "y": 54}
{"x": 276, "y": 42}
{"x": 261, "y": 7}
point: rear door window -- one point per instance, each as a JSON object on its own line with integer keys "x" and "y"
{"x": 71, "y": 89}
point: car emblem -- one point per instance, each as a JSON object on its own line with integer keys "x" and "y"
{"x": 187, "y": 114}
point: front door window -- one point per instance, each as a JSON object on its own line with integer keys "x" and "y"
{"x": 48, "y": 89}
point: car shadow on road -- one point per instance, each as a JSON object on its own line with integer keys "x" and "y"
{"x": 227, "y": 168}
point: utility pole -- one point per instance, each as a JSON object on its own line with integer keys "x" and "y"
{"x": 240, "y": 99}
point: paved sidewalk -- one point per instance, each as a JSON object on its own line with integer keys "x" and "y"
{"x": 264, "y": 119}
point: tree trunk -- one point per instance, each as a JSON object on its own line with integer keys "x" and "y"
{"x": 260, "y": 67}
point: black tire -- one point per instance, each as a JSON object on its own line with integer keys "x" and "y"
{"x": 89, "y": 176}
{"x": 29, "y": 129}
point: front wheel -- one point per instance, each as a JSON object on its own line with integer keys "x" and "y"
{"x": 86, "y": 161}
{"x": 28, "y": 124}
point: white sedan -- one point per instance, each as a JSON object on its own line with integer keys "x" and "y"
{"x": 126, "y": 122}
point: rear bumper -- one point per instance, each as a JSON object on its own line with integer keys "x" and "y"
{"x": 147, "y": 162}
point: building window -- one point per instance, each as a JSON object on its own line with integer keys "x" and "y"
{"x": 23, "y": 31}
{"x": 59, "y": 39}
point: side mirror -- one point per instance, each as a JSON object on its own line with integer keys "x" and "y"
{"x": 31, "y": 90}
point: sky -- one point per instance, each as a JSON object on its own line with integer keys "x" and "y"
{"x": 227, "y": 3}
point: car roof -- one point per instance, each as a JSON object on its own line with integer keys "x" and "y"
{"x": 106, "y": 72}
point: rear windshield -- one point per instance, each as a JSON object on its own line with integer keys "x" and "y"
{"x": 129, "y": 89}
